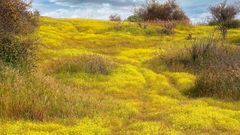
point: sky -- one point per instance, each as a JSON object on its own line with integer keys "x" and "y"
{"x": 197, "y": 10}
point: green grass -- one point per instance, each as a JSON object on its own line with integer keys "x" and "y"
{"x": 131, "y": 98}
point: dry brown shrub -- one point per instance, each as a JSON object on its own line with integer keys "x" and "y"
{"x": 153, "y": 10}
{"x": 216, "y": 66}
{"x": 89, "y": 63}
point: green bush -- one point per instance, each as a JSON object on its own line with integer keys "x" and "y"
{"x": 17, "y": 22}
{"x": 18, "y": 53}
{"x": 134, "y": 18}
{"x": 231, "y": 24}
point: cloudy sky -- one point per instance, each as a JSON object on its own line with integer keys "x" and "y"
{"x": 197, "y": 10}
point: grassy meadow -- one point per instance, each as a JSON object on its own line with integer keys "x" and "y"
{"x": 123, "y": 93}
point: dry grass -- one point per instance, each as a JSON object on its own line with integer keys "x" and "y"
{"x": 39, "y": 97}
{"x": 168, "y": 27}
{"x": 217, "y": 68}
{"x": 220, "y": 74}
{"x": 89, "y": 63}
{"x": 131, "y": 99}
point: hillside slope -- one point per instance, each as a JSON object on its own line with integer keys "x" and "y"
{"x": 131, "y": 98}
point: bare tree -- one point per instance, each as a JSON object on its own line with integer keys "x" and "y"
{"x": 223, "y": 13}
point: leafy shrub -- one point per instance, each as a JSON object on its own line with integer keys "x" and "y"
{"x": 17, "y": 17}
{"x": 18, "y": 53}
{"x": 17, "y": 22}
{"x": 217, "y": 68}
{"x": 155, "y": 11}
{"x": 89, "y": 63}
{"x": 134, "y": 18}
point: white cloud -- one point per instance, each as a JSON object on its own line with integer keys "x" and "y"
{"x": 111, "y": 2}
{"x": 102, "y": 9}
{"x": 92, "y": 11}
{"x": 200, "y": 18}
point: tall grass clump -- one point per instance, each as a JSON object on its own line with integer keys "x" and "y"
{"x": 167, "y": 28}
{"x": 39, "y": 97}
{"x": 216, "y": 66}
{"x": 89, "y": 63}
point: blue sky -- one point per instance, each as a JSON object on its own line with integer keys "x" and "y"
{"x": 197, "y": 10}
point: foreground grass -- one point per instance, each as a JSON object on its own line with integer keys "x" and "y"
{"x": 131, "y": 98}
